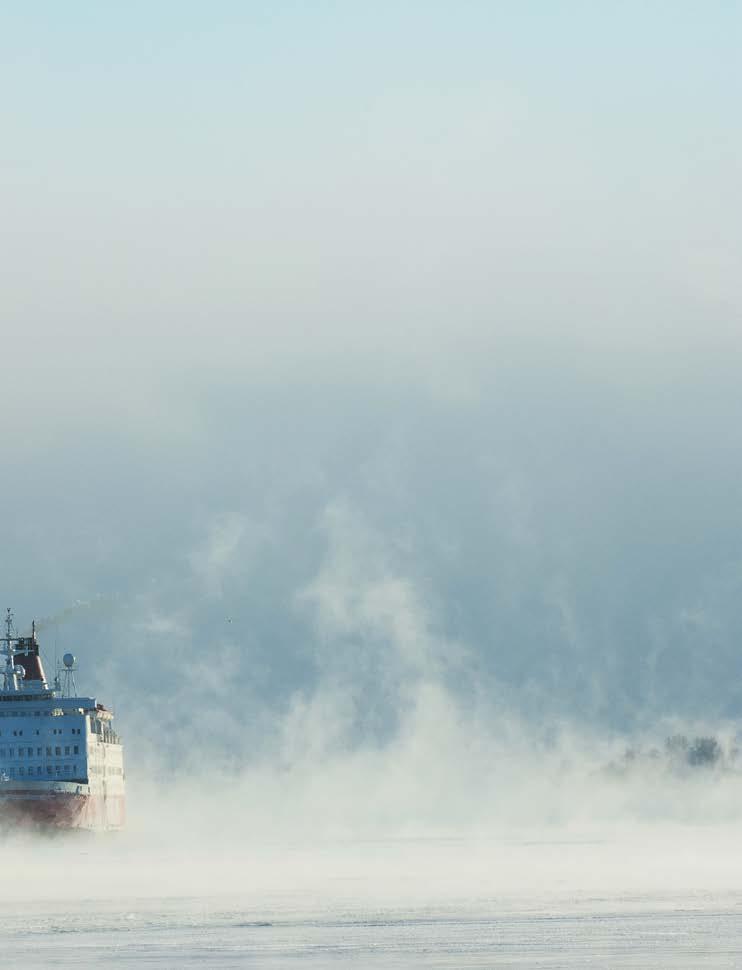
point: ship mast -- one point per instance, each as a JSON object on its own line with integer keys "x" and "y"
{"x": 11, "y": 672}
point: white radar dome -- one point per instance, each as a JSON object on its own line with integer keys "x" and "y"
{"x": 68, "y": 660}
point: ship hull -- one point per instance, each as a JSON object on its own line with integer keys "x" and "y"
{"x": 74, "y": 807}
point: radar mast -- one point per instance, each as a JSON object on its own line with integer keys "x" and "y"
{"x": 11, "y": 673}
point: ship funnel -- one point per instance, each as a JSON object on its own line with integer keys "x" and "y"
{"x": 28, "y": 657}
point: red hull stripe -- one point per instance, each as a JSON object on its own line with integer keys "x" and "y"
{"x": 62, "y": 810}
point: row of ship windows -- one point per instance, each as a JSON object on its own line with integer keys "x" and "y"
{"x": 26, "y": 714}
{"x": 19, "y": 734}
{"x": 38, "y": 770}
{"x": 35, "y": 714}
{"x": 28, "y": 752}
{"x": 32, "y": 770}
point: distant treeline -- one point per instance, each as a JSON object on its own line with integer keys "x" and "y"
{"x": 680, "y": 754}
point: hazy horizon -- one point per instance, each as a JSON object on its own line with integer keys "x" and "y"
{"x": 356, "y": 357}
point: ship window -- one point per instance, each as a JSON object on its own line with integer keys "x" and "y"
{"x": 57, "y": 751}
{"x": 68, "y": 769}
{"x": 15, "y": 734}
{"x": 77, "y": 749}
{"x": 11, "y": 752}
{"x": 48, "y": 751}
{"x": 67, "y": 749}
{"x": 48, "y": 769}
{"x": 38, "y": 752}
{"x": 57, "y": 769}
{"x": 38, "y": 769}
{"x": 21, "y": 771}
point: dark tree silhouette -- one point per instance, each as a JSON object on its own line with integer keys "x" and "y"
{"x": 704, "y": 751}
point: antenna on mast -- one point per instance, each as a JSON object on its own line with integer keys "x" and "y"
{"x": 57, "y": 683}
{"x": 11, "y": 672}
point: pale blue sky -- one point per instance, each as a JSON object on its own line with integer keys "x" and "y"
{"x": 174, "y": 150}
